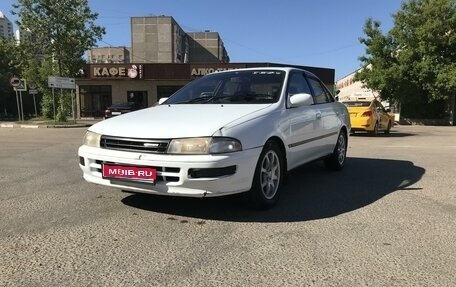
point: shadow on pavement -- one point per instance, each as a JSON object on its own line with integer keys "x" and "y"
{"x": 311, "y": 193}
{"x": 392, "y": 134}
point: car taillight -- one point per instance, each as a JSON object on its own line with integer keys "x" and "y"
{"x": 107, "y": 113}
{"x": 367, "y": 114}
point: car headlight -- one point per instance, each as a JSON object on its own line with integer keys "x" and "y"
{"x": 204, "y": 145}
{"x": 92, "y": 139}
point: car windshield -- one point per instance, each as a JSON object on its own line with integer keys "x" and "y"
{"x": 236, "y": 87}
{"x": 357, "y": 104}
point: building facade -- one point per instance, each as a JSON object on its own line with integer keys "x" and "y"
{"x": 108, "y": 55}
{"x": 158, "y": 39}
{"x": 350, "y": 88}
{"x": 207, "y": 47}
{"x": 6, "y": 27}
{"x": 145, "y": 83}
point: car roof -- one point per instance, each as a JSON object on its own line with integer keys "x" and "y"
{"x": 285, "y": 69}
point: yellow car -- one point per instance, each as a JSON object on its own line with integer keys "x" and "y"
{"x": 369, "y": 116}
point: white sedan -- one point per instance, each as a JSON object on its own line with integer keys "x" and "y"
{"x": 227, "y": 132}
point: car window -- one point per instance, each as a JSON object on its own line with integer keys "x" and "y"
{"x": 246, "y": 87}
{"x": 297, "y": 84}
{"x": 320, "y": 95}
{"x": 380, "y": 107}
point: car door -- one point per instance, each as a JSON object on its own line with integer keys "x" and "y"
{"x": 328, "y": 116}
{"x": 304, "y": 124}
{"x": 383, "y": 116}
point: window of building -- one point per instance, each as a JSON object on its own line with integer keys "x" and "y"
{"x": 94, "y": 100}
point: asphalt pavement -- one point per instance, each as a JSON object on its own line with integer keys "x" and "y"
{"x": 387, "y": 219}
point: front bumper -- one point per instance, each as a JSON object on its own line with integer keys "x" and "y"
{"x": 176, "y": 173}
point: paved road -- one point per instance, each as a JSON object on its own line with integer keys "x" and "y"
{"x": 388, "y": 219}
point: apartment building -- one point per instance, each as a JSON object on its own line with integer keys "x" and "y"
{"x": 206, "y": 47}
{"x": 6, "y": 27}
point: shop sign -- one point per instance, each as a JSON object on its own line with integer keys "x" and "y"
{"x": 198, "y": 72}
{"x": 127, "y": 71}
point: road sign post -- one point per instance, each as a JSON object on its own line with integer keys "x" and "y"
{"x": 19, "y": 85}
{"x": 33, "y": 92}
{"x": 61, "y": 83}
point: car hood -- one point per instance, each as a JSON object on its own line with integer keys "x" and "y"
{"x": 177, "y": 121}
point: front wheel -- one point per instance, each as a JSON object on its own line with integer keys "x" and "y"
{"x": 336, "y": 160}
{"x": 268, "y": 177}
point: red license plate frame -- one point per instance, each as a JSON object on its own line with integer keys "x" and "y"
{"x": 129, "y": 172}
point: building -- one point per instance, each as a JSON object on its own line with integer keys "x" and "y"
{"x": 160, "y": 39}
{"x": 206, "y": 47}
{"x": 23, "y": 36}
{"x": 157, "y": 39}
{"x": 145, "y": 83}
{"x": 6, "y": 27}
{"x": 108, "y": 55}
{"x": 348, "y": 88}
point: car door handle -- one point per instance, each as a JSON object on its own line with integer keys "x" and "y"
{"x": 318, "y": 116}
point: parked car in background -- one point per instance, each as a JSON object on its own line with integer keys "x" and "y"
{"x": 369, "y": 115}
{"x": 227, "y": 132}
{"x": 120, "y": 108}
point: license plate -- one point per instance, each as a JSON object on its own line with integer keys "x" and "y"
{"x": 115, "y": 113}
{"x": 136, "y": 173}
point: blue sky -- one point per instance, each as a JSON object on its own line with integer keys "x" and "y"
{"x": 321, "y": 33}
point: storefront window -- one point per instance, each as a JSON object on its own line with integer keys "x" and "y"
{"x": 94, "y": 100}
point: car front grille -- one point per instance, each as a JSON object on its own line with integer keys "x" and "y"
{"x": 134, "y": 144}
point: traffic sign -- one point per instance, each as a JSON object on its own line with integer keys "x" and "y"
{"x": 33, "y": 92}
{"x": 15, "y": 81}
{"x": 32, "y": 86}
{"x": 61, "y": 83}
{"x": 22, "y": 86}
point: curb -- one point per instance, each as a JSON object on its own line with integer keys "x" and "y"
{"x": 14, "y": 125}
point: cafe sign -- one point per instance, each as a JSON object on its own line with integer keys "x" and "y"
{"x": 132, "y": 71}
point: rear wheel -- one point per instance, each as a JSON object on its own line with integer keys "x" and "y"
{"x": 387, "y": 131}
{"x": 268, "y": 177}
{"x": 375, "y": 131}
{"x": 337, "y": 159}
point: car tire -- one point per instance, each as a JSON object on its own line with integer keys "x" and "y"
{"x": 336, "y": 160}
{"x": 268, "y": 178}
{"x": 374, "y": 132}
{"x": 387, "y": 131}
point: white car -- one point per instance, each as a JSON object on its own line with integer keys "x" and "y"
{"x": 228, "y": 132}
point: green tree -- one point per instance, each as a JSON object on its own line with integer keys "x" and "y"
{"x": 62, "y": 32}
{"x": 415, "y": 62}
{"x": 9, "y": 66}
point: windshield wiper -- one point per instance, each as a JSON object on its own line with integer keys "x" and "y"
{"x": 200, "y": 99}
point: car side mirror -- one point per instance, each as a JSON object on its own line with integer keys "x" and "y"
{"x": 162, "y": 100}
{"x": 301, "y": 99}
